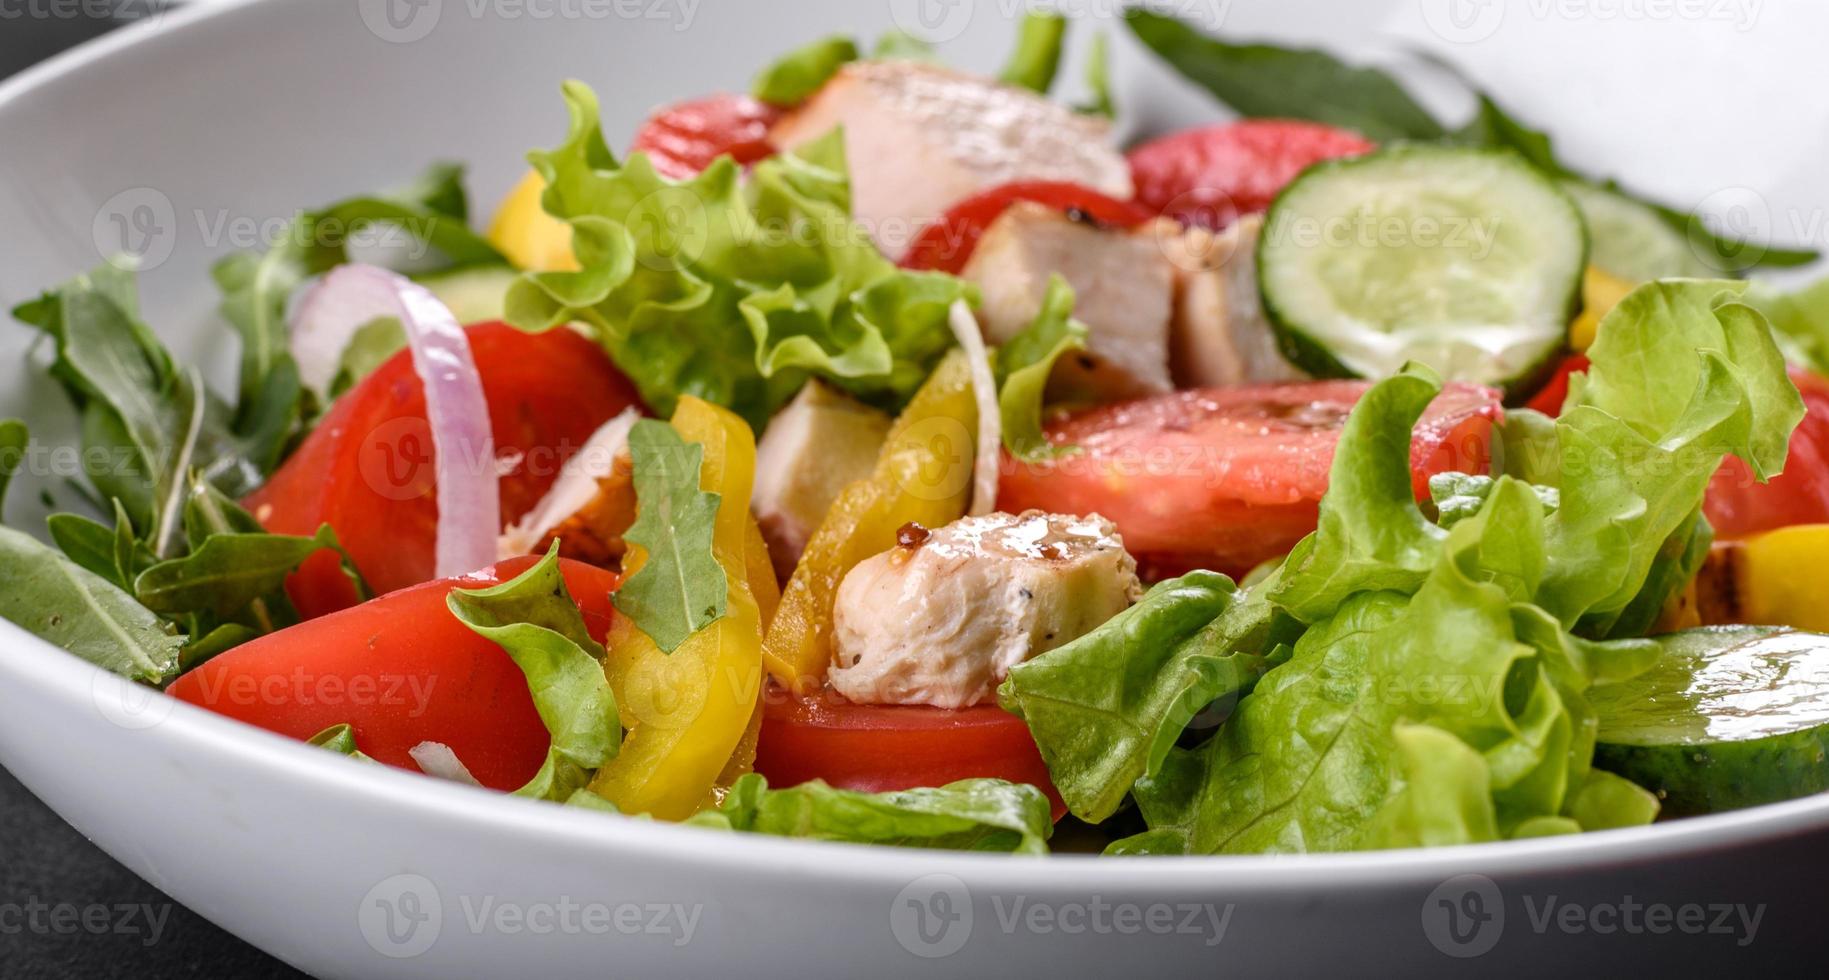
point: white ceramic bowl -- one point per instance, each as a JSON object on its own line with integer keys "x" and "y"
{"x": 231, "y": 116}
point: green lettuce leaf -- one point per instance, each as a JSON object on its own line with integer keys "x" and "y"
{"x": 534, "y": 619}
{"x": 681, "y": 588}
{"x": 901, "y": 45}
{"x": 735, "y": 294}
{"x": 1024, "y": 365}
{"x": 1801, "y": 317}
{"x": 801, "y": 72}
{"x": 1037, "y": 57}
{"x": 1106, "y": 708}
{"x": 1371, "y": 534}
{"x": 228, "y": 571}
{"x": 969, "y": 815}
{"x": 340, "y": 739}
{"x": 1439, "y": 693}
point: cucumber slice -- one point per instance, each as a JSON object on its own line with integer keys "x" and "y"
{"x": 1630, "y": 241}
{"x": 1729, "y": 717}
{"x": 476, "y": 294}
{"x": 1466, "y": 260}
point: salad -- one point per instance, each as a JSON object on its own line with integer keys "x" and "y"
{"x": 885, "y": 456}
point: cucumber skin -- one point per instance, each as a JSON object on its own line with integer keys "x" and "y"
{"x": 1311, "y": 356}
{"x": 1711, "y": 777}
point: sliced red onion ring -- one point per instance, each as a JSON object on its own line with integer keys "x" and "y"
{"x": 990, "y": 420}
{"x": 469, "y": 496}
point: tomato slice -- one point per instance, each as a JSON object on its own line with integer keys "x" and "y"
{"x": 682, "y": 139}
{"x": 366, "y": 470}
{"x": 400, "y": 670}
{"x": 1738, "y": 505}
{"x": 1210, "y": 176}
{"x": 873, "y": 748}
{"x": 1555, "y": 392}
{"x": 1226, "y": 478}
{"x": 947, "y": 244}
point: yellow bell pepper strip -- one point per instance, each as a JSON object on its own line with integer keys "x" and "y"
{"x": 1600, "y": 293}
{"x": 527, "y": 236}
{"x": 924, "y": 475}
{"x": 687, "y": 711}
{"x": 768, "y": 596}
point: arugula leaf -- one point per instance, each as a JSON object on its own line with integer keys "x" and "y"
{"x": 115, "y": 554}
{"x": 371, "y": 346}
{"x": 257, "y": 287}
{"x": 680, "y": 587}
{"x": 1260, "y": 80}
{"x": 899, "y": 44}
{"x": 969, "y": 815}
{"x": 534, "y": 619}
{"x": 228, "y": 572}
{"x": 1037, "y": 58}
{"x": 145, "y": 420}
{"x": 1106, "y": 708}
{"x": 1634, "y": 238}
{"x": 694, "y": 288}
{"x": 73, "y": 608}
{"x": 801, "y": 72}
{"x": 15, "y": 440}
{"x": 1024, "y": 365}
{"x": 1098, "y": 78}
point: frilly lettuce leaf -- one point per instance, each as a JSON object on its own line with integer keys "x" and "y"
{"x": 735, "y": 293}
{"x": 534, "y": 619}
{"x": 1106, "y": 708}
{"x": 1439, "y": 693}
{"x": 1024, "y": 364}
{"x": 970, "y": 815}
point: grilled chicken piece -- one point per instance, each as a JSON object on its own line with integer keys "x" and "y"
{"x": 1123, "y": 289}
{"x": 820, "y": 443}
{"x": 589, "y": 506}
{"x": 941, "y": 618}
{"x": 921, "y": 138}
{"x": 1220, "y": 335}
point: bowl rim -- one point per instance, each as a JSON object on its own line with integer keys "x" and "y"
{"x": 33, "y": 668}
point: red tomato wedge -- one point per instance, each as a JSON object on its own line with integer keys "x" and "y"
{"x": 1738, "y": 505}
{"x": 399, "y": 670}
{"x": 1226, "y": 478}
{"x": 367, "y": 469}
{"x": 947, "y": 244}
{"x": 874, "y": 748}
{"x": 684, "y": 138}
{"x": 1210, "y": 176}
{"x": 1549, "y": 399}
